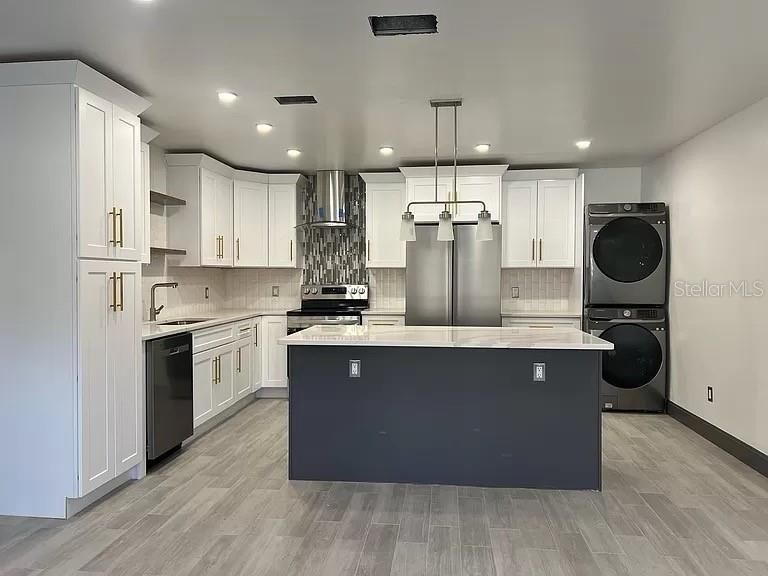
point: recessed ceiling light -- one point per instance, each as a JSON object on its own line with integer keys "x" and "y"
{"x": 386, "y": 150}
{"x": 227, "y": 97}
{"x": 263, "y": 128}
{"x": 482, "y": 148}
{"x": 583, "y": 144}
{"x": 293, "y": 152}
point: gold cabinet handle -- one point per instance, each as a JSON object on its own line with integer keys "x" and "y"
{"x": 113, "y": 278}
{"x": 112, "y": 237}
{"x": 222, "y": 247}
{"x": 122, "y": 308}
{"x": 291, "y": 258}
{"x": 540, "y": 249}
{"x": 369, "y": 251}
{"x": 239, "y": 360}
{"x": 217, "y": 247}
{"x": 238, "y": 249}
{"x": 219, "y": 369}
{"x": 119, "y": 214}
{"x": 533, "y": 249}
{"x": 213, "y": 371}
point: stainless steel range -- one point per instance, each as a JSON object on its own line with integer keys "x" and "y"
{"x": 332, "y": 304}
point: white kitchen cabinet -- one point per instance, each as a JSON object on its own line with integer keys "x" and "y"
{"x": 518, "y": 224}
{"x": 556, "y": 221}
{"x": 204, "y": 372}
{"x": 284, "y": 246}
{"x": 541, "y": 322}
{"x": 384, "y": 205}
{"x": 243, "y": 368}
{"x": 539, "y": 224}
{"x": 146, "y": 256}
{"x": 274, "y": 354}
{"x": 384, "y": 320}
{"x": 484, "y": 188}
{"x": 216, "y": 198}
{"x": 109, "y": 180}
{"x": 109, "y": 334}
{"x": 472, "y": 183}
{"x": 251, "y": 224}
{"x": 213, "y": 382}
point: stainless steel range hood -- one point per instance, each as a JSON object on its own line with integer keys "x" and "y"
{"x": 331, "y": 199}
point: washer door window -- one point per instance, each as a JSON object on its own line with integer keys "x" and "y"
{"x": 627, "y": 249}
{"x": 635, "y": 359}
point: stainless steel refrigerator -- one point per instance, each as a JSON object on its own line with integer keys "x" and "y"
{"x": 453, "y": 283}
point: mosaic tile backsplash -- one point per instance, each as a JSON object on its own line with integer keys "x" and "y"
{"x": 336, "y": 255}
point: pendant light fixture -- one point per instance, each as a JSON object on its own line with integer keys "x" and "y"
{"x": 445, "y": 227}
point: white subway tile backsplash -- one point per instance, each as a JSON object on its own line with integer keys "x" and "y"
{"x": 540, "y": 290}
{"x": 387, "y": 288}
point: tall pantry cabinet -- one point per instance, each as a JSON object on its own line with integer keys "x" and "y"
{"x": 72, "y": 231}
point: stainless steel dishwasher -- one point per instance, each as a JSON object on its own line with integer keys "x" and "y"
{"x": 169, "y": 393}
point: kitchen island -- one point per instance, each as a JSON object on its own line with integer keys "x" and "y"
{"x": 509, "y": 407}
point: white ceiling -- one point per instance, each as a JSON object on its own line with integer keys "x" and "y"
{"x": 636, "y": 76}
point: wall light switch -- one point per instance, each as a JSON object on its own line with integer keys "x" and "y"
{"x": 275, "y": 291}
{"x": 515, "y": 292}
{"x": 539, "y": 372}
{"x": 354, "y": 368}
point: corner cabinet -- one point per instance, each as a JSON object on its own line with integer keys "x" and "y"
{"x": 538, "y": 219}
{"x": 251, "y": 224}
{"x": 109, "y": 392}
{"x": 473, "y": 183}
{"x": 110, "y": 201}
{"x": 384, "y": 206}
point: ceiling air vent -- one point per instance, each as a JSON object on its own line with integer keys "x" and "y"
{"x": 397, "y": 25}
{"x": 290, "y": 100}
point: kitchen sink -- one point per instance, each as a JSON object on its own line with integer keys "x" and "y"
{"x": 183, "y": 322}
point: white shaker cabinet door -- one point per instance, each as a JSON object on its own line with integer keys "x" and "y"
{"x": 518, "y": 224}
{"x": 556, "y": 223}
{"x": 384, "y": 206}
{"x": 95, "y": 387}
{"x": 203, "y": 376}
{"x": 251, "y": 230}
{"x": 96, "y": 223}
{"x": 243, "y": 367}
{"x": 421, "y": 189}
{"x": 210, "y": 243}
{"x": 224, "y": 385}
{"x": 128, "y": 199}
{"x": 483, "y": 188}
{"x": 282, "y": 226}
{"x": 125, "y": 361}
{"x": 224, "y": 226}
{"x": 146, "y": 256}
{"x": 275, "y": 354}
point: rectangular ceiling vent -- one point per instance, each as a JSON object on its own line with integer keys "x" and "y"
{"x": 291, "y": 100}
{"x": 399, "y": 25}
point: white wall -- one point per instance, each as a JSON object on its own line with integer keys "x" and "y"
{"x": 612, "y": 185}
{"x": 718, "y": 204}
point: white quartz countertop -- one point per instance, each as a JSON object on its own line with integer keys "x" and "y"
{"x": 152, "y": 330}
{"x": 384, "y": 312}
{"x": 558, "y": 338}
{"x": 539, "y": 314}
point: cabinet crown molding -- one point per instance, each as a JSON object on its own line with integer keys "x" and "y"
{"x": 474, "y": 170}
{"x": 201, "y": 161}
{"x": 286, "y": 178}
{"x": 72, "y": 72}
{"x": 382, "y": 177}
{"x": 543, "y": 174}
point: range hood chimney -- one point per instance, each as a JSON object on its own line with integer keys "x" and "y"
{"x": 331, "y": 199}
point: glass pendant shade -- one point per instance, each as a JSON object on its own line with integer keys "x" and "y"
{"x": 408, "y": 227}
{"x": 445, "y": 228}
{"x": 484, "y": 229}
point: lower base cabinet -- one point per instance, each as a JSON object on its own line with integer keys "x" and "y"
{"x": 213, "y": 382}
{"x": 274, "y": 354}
{"x": 384, "y": 320}
{"x": 243, "y": 367}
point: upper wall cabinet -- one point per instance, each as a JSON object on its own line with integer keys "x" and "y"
{"x": 384, "y": 205}
{"x": 110, "y": 200}
{"x": 473, "y": 183}
{"x": 251, "y": 216}
{"x": 539, "y": 223}
{"x": 146, "y": 211}
{"x": 284, "y": 245}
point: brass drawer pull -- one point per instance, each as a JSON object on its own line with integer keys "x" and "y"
{"x": 122, "y": 309}
{"x": 113, "y": 305}
{"x": 119, "y": 214}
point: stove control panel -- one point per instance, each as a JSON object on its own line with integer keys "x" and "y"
{"x": 334, "y": 292}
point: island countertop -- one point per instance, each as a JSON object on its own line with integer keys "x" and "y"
{"x": 557, "y": 338}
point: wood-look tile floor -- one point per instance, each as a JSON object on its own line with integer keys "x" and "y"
{"x": 672, "y": 504}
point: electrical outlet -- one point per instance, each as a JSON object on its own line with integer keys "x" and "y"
{"x": 539, "y": 372}
{"x": 354, "y": 368}
{"x": 515, "y": 292}
{"x": 275, "y": 291}
{"x": 710, "y": 394}
{"x": 207, "y": 293}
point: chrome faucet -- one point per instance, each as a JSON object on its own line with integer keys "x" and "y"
{"x": 153, "y": 312}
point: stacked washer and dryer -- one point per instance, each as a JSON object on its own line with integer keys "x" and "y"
{"x": 626, "y": 289}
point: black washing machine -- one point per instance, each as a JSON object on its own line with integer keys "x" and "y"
{"x": 626, "y": 254}
{"x": 634, "y": 373}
